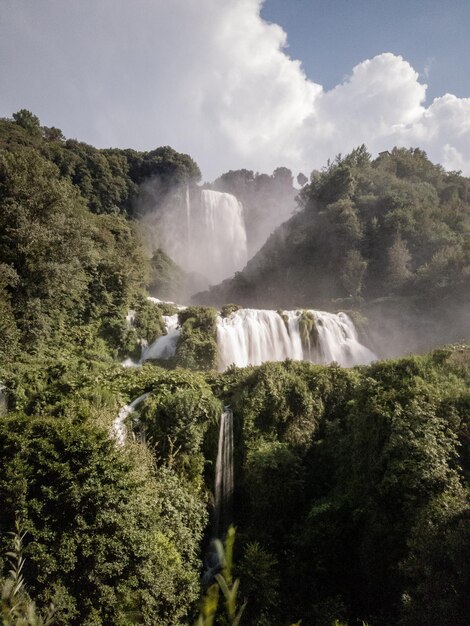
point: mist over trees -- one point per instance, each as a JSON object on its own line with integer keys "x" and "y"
{"x": 351, "y": 485}
{"x": 69, "y": 257}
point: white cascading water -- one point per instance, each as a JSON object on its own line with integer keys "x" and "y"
{"x": 165, "y": 346}
{"x": 119, "y": 430}
{"x": 221, "y": 248}
{"x": 3, "y": 399}
{"x": 203, "y": 231}
{"x": 224, "y": 474}
{"x": 253, "y": 336}
{"x": 188, "y": 226}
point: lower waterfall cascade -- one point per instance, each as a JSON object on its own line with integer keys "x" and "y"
{"x": 165, "y": 346}
{"x": 253, "y": 336}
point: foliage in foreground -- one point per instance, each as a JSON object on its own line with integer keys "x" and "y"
{"x": 110, "y": 539}
{"x": 16, "y": 606}
{"x": 365, "y": 516}
{"x": 366, "y": 513}
{"x": 223, "y": 583}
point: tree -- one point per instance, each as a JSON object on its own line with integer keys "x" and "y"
{"x": 197, "y": 344}
{"x": 437, "y": 567}
{"x": 28, "y": 121}
{"x": 336, "y": 183}
{"x": 105, "y": 534}
{"x": 283, "y": 176}
{"x": 9, "y": 332}
{"x": 260, "y": 584}
{"x": 399, "y": 258}
{"x": 346, "y": 223}
{"x": 70, "y": 267}
{"x": 352, "y": 272}
{"x": 52, "y": 134}
{"x": 44, "y": 239}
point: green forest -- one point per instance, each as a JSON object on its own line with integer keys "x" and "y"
{"x": 350, "y": 503}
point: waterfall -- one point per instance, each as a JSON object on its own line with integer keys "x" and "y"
{"x": 165, "y": 346}
{"x": 251, "y": 337}
{"x": 119, "y": 431}
{"x": 224, "y": 475}
{"x": 3, "y": 400}
{"x": 203, "y": 231}
{"x": 222, "y": 236}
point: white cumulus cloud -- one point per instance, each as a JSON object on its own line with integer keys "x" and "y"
{"x": 213, "y": 79}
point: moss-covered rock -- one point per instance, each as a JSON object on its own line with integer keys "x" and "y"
{"x": 308, "y": 331}
{"x": 361, "y": 324}
{"x": 285, "y": 319}
{"x": 197, "y": 343}
{"x": 148, "y": 320}
{"x": 228, "y": 309}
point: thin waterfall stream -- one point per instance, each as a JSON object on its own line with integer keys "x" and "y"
{"x": 118, "y": 429}
{"x": 224, "y": 475}
{"x": 223, "y": 497}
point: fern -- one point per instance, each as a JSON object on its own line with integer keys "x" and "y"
{"x": 16, "y": 607}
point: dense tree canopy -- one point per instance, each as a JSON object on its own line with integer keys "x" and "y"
{"x": 400, "y": 212}
{"x": 109, "y": 179}
{"x": 63, "y": 266}
{"x": 101, "y": 541}
{"x": 351, "y": 485}
{"x": 351, "y": 491}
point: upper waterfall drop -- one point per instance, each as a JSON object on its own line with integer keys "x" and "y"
{"x": 223, "y": 244}
{"x": 202, "y": 231}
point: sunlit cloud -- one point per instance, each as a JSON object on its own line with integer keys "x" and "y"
{"x": 213, "y": 79}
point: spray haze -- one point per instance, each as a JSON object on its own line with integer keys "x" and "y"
{"x": 210, "y": 232}
{"x": 203, "y": 231}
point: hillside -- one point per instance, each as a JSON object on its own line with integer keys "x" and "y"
{"x": 72, "y": 261}
{"x": 388, "y": 237}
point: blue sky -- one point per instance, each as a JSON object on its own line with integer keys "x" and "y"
{"x": 332, "y": 36}
{"x": 242, "y": 83}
